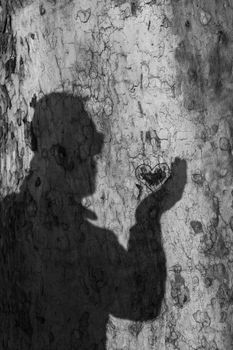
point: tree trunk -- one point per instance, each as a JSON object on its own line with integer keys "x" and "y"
{"x": 99, "y": 248}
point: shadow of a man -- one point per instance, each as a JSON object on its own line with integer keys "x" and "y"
{"x": 61, "y": 276}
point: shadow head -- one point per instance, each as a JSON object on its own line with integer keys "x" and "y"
{"x": 65, "y": 142}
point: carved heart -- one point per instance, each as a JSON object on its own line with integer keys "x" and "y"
{"x": 153, "y": 178}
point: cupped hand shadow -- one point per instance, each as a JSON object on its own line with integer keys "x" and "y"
{"x": 167, "y": 196}
{"x": 146, "y": 271}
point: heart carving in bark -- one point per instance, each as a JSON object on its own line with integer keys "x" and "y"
{"x": 153, "y": 178}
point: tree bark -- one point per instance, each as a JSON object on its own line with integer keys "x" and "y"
{"x": 127, "y": 85}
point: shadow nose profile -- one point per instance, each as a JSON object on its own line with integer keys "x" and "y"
{"x": 97, "y": 143}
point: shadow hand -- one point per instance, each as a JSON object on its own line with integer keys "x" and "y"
{"x": 167, "y": 196}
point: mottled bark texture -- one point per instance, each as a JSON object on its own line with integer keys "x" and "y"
{"x": 90, "y": 93}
